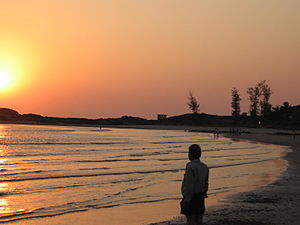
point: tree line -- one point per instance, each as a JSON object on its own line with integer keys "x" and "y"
{"x": 259, "y": 97}
{"x": 259, "y": 102}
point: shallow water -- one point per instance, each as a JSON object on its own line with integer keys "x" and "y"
{"x": 48, "y": 171}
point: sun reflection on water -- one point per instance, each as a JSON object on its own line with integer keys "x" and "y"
{"x": 3, "y": 160}
{"x": 3, "y": 186}
{"x": 4, "y": 209}
{"x": 3, "y": 202}
{"x": 3, "y": 205}
{"x": 2, "y": 166}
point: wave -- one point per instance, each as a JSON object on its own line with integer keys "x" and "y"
{"x": 238, "y": 155}
{"x": 127, "y": 190}
{"x": 128, "y": 172}
{"x": 189, "y": 142}
{"x": 96, "y": 168}
{"x": 102, "y": 130}
{"x": 151, "y": 153}
{"x": 46, "y": 189}
{"x": 22, "y": 173}
{"x": 63, "y": 143}
{"x": 173, "y": 159}
{"x": 229, "y": 149}
{"x": 14, "y": 216}
{"x": 108, "y": 160}
{"x": 57, "y": 130}
{"x": 3, "y": 193}
{"x": 241, "y": 163}
{"x": 40, "y": 130}
{"x": 91, "y": 175}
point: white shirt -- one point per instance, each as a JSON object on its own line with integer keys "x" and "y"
{"x": 195, "y": 179}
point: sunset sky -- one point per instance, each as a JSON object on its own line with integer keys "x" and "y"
{"x": 109, "y": 58}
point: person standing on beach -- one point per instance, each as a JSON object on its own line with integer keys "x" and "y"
{"x": 194, "y": 187}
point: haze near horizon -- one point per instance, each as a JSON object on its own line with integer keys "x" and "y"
{"x": 98, "y": 59}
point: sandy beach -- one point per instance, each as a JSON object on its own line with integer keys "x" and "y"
{"x": 275, "y": 204}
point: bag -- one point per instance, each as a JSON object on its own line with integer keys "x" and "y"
{"x": 184, "y": 207}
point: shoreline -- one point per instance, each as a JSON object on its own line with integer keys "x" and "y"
{"x": 277, "y": 203}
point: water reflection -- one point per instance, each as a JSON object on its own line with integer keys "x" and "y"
{"x": 3, "y": 202}
{"x": 3, "y": 187}
{"x": 3, "y": 206}
{"x": 4, "y": 209}
{"x": 4, "y": 136}
{"x": 2, "y": 161}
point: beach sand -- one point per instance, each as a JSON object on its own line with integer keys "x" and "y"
{"x": 278, "y": 203}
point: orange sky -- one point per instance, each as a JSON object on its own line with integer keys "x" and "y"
{"x": 93, "y": 58}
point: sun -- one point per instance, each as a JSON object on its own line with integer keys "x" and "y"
{"x": 5, "y": 80}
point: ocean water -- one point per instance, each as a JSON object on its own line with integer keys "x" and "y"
{"x": 47, "y": 171}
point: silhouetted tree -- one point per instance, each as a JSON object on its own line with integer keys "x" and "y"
{"x": 282, "y": 114}
{"x": 254, "y": 94}
{"x": 259, "y": 97}
{"x": 286, "y": 107}
{"x": 265, "y": 92}
{"x": 193, "y": 104}
{"x": 286, "y": 110}
{"x": 236, "y": 102}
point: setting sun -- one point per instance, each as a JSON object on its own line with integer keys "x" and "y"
{"x": 5, "y": 80}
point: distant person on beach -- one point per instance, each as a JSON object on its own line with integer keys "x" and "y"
{"x": 194, "y": 187}
{"x": 216, "y": 133}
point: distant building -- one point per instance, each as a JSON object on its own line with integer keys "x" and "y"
{"x": 161, "y": 116}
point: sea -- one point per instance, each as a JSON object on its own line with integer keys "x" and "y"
{"x": 49, "y": 171}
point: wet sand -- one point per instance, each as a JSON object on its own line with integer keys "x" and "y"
{"x": 275, "y": 204}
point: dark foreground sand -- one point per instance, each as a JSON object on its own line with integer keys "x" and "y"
{"x": 275, "y": 204}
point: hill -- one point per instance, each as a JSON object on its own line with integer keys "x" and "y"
{"x": 284, "y": 117}
{"x": 8, "y": 114}
{"x": 198, "y": 120}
